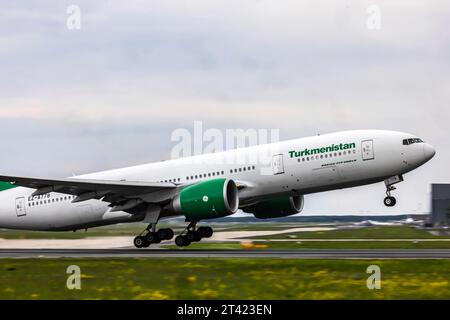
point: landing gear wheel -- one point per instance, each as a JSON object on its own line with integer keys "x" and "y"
{"x": 182, "y": 241}
{"x": 140, "y": 242}
{"x": 152, "y": 237}
{"x": 165, "y": 234}
{"x": 193, "y": 236}
{"x": 205, "y": 232}
{"x": 389, "y": 201}
{"x": 197, "y": 236}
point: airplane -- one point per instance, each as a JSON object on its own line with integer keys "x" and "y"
{"x": 214, "y": 185}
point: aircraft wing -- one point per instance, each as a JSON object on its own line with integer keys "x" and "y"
{"x": 115, "y": 191}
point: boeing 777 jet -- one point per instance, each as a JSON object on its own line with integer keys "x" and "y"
{"x": 213, "y": 185}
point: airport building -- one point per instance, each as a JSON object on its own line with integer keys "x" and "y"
{"x": 440, "y": 204}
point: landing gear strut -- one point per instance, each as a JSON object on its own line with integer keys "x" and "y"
{"x": 390, "y": 201}
{"x": 193, "y": 234}
{"x": 150, "y": 235}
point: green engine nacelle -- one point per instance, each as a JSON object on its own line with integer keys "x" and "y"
{"x": 207, "y": 200}
{"x": 276, "y": 208}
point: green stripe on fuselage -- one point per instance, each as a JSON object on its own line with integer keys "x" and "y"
{"x": 6, "y": 186}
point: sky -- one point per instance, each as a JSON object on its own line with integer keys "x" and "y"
{"x": 111, "y": 93}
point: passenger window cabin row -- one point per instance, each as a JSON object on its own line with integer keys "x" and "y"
{"x": 48, "y": 201}
{"x": 211, "y": 174}
{"x": 327, "y": 155}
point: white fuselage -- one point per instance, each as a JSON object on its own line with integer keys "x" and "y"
{"x": 293, "y": 167}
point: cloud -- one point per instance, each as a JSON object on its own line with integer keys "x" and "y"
{"x": 111, "y": 93}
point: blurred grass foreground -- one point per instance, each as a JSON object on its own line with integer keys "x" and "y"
{"x": 176, "y": 278}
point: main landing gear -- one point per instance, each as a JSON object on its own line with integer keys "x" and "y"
{"x": 192, "y": 234}
{"x": 189, "y": 235}
{"x": 150, "y": 235}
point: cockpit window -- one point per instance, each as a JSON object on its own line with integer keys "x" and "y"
{"x": 412, "y": 141}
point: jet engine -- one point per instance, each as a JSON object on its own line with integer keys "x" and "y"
{"x": 277, "y": 207}
{"x": 209, "y": 199}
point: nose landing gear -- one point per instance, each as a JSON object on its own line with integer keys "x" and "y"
{"x": 150, "y": 235}
{"x": 193, "y": 235}
{"x": 389, "y": 201}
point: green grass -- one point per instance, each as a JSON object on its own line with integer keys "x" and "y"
{"x": 359, "y": 245}
{"x": 262, "y": 226}
{"x": 223, "y": 279}
{"x": 131, "y": 229}
{"x": 207, "y": 246}
{"x": 385, "y": 232}
{"x": 321, "y": 245}
{"x": 118, "y": 230}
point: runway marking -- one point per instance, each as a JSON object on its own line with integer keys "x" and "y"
{"x": 261, "y": 253}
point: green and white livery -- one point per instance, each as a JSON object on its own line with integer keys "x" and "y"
{"x": 213, "y": 185}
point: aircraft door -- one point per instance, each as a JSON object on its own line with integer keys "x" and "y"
{"x": 367, "y": 150}
{"x": 277, "y": 164}
{"x": 20, "y": 207}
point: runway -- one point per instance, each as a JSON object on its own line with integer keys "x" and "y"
{"x": 267, "y": 253}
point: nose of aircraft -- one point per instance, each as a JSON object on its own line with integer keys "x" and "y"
{"x": 428, "y": 151}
